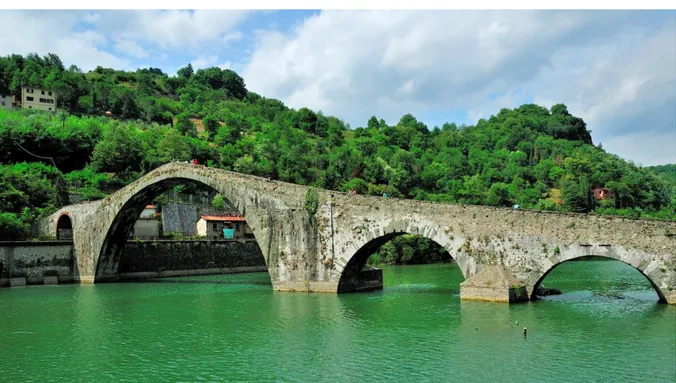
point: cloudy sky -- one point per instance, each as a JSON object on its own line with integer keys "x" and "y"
{"x": 617, "y": 70}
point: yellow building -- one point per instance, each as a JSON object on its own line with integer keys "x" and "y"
{"x": 36, "y": 98}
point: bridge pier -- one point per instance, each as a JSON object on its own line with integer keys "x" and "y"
{"x": 365, "y": 280}
{"x": 494, "y": 283}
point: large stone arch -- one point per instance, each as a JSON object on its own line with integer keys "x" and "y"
{"x": 376, "y": 233}
{"x": 286, "y": 235}
{"x": 655, "y": 270}
{"x": 133, "y": 203}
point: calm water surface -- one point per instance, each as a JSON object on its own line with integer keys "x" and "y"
{"x": 606, "y": 327}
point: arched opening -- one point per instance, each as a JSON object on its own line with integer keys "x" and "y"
{"x": 172, "y": 227}
{"x": 596, "y": 276}
{"x": 64, "y": 228}
{"x": 386, "y": 262}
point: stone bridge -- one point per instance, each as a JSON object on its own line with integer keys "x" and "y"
{"x": 503, "y": 253}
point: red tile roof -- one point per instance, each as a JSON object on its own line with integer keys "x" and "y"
{"x": 221, "y": 218}
{"x": 150, "y": 206}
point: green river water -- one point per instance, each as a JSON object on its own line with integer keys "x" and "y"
{"x": 606, "y": 327}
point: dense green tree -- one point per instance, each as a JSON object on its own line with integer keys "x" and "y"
{"x": 218, "y": 202}
{"x": 118, "y": 151}
{"x": 210, "y": 125}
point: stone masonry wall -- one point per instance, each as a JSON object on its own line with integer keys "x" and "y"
{"x": 35, "y": 260}
{"x": 143, "y": 259}
{"x": 179, "y": 217}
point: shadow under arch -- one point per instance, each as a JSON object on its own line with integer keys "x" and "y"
{"x": 64, "y": 227}
{"x": 108, "y": 263}
{"x": 354, "y": 278}
{"x": 536, "y": 286}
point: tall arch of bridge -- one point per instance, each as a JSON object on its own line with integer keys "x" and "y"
{"x": 101, "y": 228}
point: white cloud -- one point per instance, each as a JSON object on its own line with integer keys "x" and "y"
{"x": 492, "y": 106}
{"x": 131, "y": 49}
{"x": 233, "y": 36}
{"x": 126, "y": 34}
{"x": 656, "y": 148}
{"x": 91, "y": 18}
{"x": 606, "y": 66}
{"x": 205, "y": 61}
{"x": 173, "y": 29}
{"x": 45, "y": 32}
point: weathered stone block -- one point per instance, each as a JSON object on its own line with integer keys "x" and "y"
{"x": 494, "y": 284}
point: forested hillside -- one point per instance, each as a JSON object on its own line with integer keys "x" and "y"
{"x": 666, "y": 171}
{"x": 533, "y": 156}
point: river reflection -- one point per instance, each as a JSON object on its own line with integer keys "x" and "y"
{"x": 235, "y": 328}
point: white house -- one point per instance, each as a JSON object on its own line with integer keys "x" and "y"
{"x": 147, "y": 225}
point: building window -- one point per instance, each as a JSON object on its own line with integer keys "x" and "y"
{"x": 3, "y": 103}
{"x": 43, "y": 100}
{"x": 29, "y": 90}
{"x": 50, "y": 93}
{"x": 29, "y": 98}
{"x": 43, "y": 92}
{"x": 30, "y": 107}
{"x": 50, "y": 108}
{"x": 50, "y": 100}
{"x": 215, "y": 228}
{"x": 237, "y": 226}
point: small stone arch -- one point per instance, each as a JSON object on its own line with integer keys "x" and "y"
{"x": 661, "y": 297}
{"x": 354, "y": 278}
{"x": 124, "y": 212}
{"x": 64, "y": 227}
